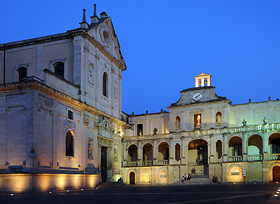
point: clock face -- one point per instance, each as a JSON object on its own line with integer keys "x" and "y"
{"x": 197, "y": 96}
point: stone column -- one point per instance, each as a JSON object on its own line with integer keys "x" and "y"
{"x": 171, "y": 151}
{"x": 244, "y": 147}
{"x": 212, "y": 148}
{"x": 266, "y": 151}
{"x": 139, "y": 154}
{"x": 225, "y": 148}
{"x": 155, "y": 152}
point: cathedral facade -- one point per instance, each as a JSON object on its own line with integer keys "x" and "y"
{"x": 63, "y": 125}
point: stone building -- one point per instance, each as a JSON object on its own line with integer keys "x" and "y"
{"x": 63, "y": 125}
{"x": 61, "y": 108}
{"x": 205, "y": 135}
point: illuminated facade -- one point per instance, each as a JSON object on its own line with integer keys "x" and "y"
{"x": 61, "y": 109}
{"x": 205, "y": 135}
{"x": 63, "y": 125}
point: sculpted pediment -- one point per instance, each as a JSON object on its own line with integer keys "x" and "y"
{"x": 104, "y": 33}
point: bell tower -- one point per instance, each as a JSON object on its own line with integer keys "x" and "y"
{"x": 202, "y": 80}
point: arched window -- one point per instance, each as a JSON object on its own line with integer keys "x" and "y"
{"x": 105, "y": 81}
{"x": 59, "y": 69}
{"x": 69, "y": 144}
{"x": 22, "y": 73}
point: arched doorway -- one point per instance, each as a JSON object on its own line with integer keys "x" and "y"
{"x": 255, "y": 148}
{"x": 235, "y": 149}
{"x": 132, "y": 155}
{"x": 147, "y": 155}
{"x": 198, "y": 157}
{"x": 163, "y": 153}
{"x": 132, "y": 178}
{"x": 276, "y": 173}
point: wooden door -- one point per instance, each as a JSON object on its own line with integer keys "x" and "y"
{"x": 276, "y": 173}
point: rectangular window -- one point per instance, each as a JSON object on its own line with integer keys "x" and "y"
{"x": 237, "y": 149}
{"x": 205, "y": 81}
{"x": 70, "y": 115}
{"x": 199, "y": 82}
{"x": 139, "y": 129}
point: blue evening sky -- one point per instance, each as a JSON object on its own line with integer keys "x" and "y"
{"x": 166, "y": 43}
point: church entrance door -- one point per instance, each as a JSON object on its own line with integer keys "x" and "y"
{"x": 104, "y": 164}
{"x": 276, "y": 173}
{"x": 132, "y": 178}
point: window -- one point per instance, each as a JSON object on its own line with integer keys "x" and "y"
{"x": 105, "y": 81}
{"x": 70, "y": 115}
{"x": 237, "y": 149}
{"x": 69, "y": 144}
{"x": 59, "y": 69}
{"x": 205, "y": 81}
{"x": 22, "y": 73}
{"x": 139, "y": 129}
{"x": 199, "y": 82}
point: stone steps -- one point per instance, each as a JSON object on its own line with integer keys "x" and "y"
{"x": 195, "y": 181}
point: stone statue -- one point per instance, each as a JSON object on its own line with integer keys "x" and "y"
{"x": 265, "y": 121}
{"x": 244, "y": 122}
{"x": 140, "y": 132}
{"x": 198, "y": 120}
{"x": 155, "y": 131}
{"x": 177, "y": 124}
{"x": 219, "y": 120}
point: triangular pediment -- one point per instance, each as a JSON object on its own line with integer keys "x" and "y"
{"x": 103, "y": 32}
{"x": 203, "y": 75}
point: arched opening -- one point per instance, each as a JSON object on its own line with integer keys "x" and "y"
{"x": 276, "y": 173}
{"x": 132, "y": 178}
{"x": 177, "y": 152}
{"x": 218, "y": 119}
{"x": 105, "y": 81}
{"x": 219, "y": 149}
{"x": 59, "y": 69}
{"x": 69, "y": 144}
{"x": 274, "y": 143}
{"x": 147, "y": 154}
{"x": 22, "y": 73}
{"x": 177, "y": 123}
{"x": 235, "y": 149}
{"x": 255, "y": 148}
{"x": 198, "y": 157}
{"x": 132, "y": 155}
{"x": 163, "y": 153}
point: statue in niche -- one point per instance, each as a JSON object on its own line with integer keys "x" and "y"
{"x": 140, "y": 132}
{"x": 244, "y": 122}
{"x": 177, "y": 124}
{"x": 198, "y": 120}
{"x": 218, "y": 119}
{"x": 90, "y": 148}
{"x": 265, "y": 121}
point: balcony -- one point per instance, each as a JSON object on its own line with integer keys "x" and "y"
{"x": 146, "y": 163}
{"x": 235, "y": 158}
{"x": 255, "y": 157}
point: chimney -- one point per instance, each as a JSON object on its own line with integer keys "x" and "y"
{"x": 94, "y": 18}
{"x": 249, "y": 100}
{"x": 84, "y": 24}
{"x": 103, "y": 15}
{"x": 161, "y": 110}
{"x": 269, "y": 98}
{"x": 146, "y": 112}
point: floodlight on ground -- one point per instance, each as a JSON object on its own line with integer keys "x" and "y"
{"x": 67, "y": 191}
{"x": 12, "y": 194}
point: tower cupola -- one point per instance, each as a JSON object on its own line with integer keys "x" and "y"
{"x": 202, "y": 80}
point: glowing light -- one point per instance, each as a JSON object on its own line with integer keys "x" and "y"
{"x": 277, "y": 182}
{"x": 82, "y": 189}
{"x": 277, "y": 192}
{"x": 96, "y": 188}
{"x": 50, "y": 192}
{"x": 12, "y": 194}
{"x": 67, "y": 191}
{"x": 276, "y": 195}
{"x": 233, "y": 183}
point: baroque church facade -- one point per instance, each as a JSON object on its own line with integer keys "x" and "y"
{"x": 61, "y": 109}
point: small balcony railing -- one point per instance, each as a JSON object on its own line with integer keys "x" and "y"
{"x": 258, "y": 157}
{"x": 162, "y": 162}
{"x": 235, "y": 158}
{"x": 147, "y": 163}
{"x": 274, "y": 157}
{"x": 132, "y": 163}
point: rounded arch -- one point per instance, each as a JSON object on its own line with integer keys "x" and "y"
{"x": 59, "y": 68}
{"x": 177, "y": 123}
{"x": 218, "y": 118}
{"x": 132, "y": 153}
{"x": 276, "y": 173}
{"x": 198, "y": 151}
{"x": 147, "y": 152}
{"x": 105, "y": 84}
{"x": 274, "y": 143}
{"x": 131, "y": 174}
{"x": 235, "y": 146}
{"x": 69, "y": 146}
{"x": 219, "y": 149}
{"x": 234, "y": 173}
{"x": 255, "y": 145}
{"x": 177, "y": 151}
{"x": 162, "y": 176}
{"x": 163, "y": 151}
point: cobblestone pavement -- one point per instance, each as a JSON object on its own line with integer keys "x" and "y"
{"x": 176, "y": 194}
